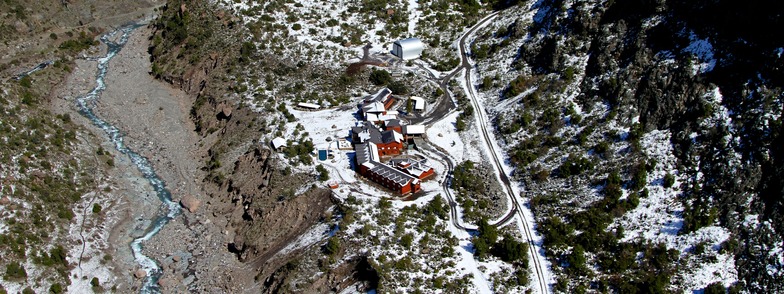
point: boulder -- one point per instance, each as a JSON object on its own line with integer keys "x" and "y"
{"x": 140, "y": 273}
{"x": 5, "y": 200}
{"x": 190, "y": 202}
{"x": 176, "y": 258}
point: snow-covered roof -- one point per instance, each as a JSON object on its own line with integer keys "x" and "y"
{"x": 309, "y": 105}
{"x": 385, "y": 117}
{"x": 419, "y": 102}
{"x": 278, "y": 142}
{"x": 392, "y": 174}
{"x": 374, "y": 107}
{"x": 372, "y": 117}
{"x": 414, "y": 129}
{"x": 410, "y": 43}
{"x": 366, "y": 152}
{"x": 380, "y": 96}
{"x": 406, "y": 49}
{"x": 391, "y": 136}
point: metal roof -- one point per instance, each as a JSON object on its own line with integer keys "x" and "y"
{"x": 410, "y": 42}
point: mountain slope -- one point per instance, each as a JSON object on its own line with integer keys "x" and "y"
{"x": 617, "y": 106}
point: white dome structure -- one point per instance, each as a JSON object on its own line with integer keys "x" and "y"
{"x": 408, "y": 49}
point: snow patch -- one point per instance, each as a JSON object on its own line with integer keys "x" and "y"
{"x": 703, "y": 50}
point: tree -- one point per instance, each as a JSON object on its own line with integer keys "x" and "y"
{"x": 407, "y": 240}
{"x": 715, "y": 288}
{"x": 56, "y": 288}
{"x": 510, "y": 250}
{"x": 576, "y": 260}
{"x": 487, "y": 231}
{"x": 380, "y": 77}
{"x": 333, "y": 246}
{"x": 669, "y": 180}
{"x": 398, "y": 87}
{"x": 323, "y": 173}
{"x": 15, "y": 271}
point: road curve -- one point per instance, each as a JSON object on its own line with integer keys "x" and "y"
{"x": 538, "y": 264}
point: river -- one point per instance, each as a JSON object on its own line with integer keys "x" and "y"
{"x": 169, "y": 209}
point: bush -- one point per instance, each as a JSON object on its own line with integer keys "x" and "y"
{"x": 56, "y": 288}
{"x": 669, "y": 180}
{"x": 510, "y": 250}
{"x": 97, "y": 208}
{"x": 715, "y": 288}
{"x": 380, "y": 77}
{"x": 296, "y": 27}
{"x": 15, "y": 271}
{"x": 574, "y": 165}
{"x": 323, "y": 173}
{"x": 333, "y": 246}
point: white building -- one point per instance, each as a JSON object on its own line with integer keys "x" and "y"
{"x": 407, "y": 49}
{"x": 414, "y": 130}
{"x": 419, "y": 103}
{"x": 279, "y": 143}
{"x": 308, "y": 105}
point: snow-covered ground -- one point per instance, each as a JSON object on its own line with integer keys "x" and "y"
{"x": 658, "y": 218}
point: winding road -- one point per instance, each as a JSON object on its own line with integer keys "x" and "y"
{"x": 540, "y": 281}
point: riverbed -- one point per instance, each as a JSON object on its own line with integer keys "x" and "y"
{"x": 145, "y": 125}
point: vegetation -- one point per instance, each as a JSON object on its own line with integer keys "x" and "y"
{"x": 323, "y": 173}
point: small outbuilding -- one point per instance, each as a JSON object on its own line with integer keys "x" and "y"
{"x": 310, "y": 106}
{"x": 414, "y": 130}
{"x": 279, "y": 144}
{"x": 408, "y": 49}
{"x": 418, "y": 103}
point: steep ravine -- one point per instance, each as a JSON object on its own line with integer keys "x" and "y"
{"x": 245, "y": 189}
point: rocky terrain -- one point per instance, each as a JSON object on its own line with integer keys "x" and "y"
{"x": 647, "y": 140}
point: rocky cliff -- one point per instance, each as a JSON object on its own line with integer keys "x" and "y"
{"x": 194, "y": 48}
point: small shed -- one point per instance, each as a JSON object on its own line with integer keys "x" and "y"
{"x": 308, "y": 106}
{"x": 279, "y": 144}
{"x": 414, "y": 130}
{"x": 408, "y": 49}
{"x": 418, "y": 103}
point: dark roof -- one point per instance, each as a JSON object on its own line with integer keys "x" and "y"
{"x": 393, "y": 123}
{"x": 375, "y": 134}
{"x": 388, "y": 136}
{"x": 362, "y": 152}
{"x": 380, "y": 96}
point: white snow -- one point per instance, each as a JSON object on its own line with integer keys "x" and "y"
{"x": 316, "y": 234}
{"x": 703, "y": 51}
{"x": 658, "y": 218}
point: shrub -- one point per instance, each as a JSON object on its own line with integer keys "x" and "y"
{"x": 669, "y": 180}
{"x": 380, "y": 77}
{"x": 323, "y": 173}
{"x": 15, "y": 271}
{"x": 574, "y": 165}
{"x": 56, "y": 288}
{"x": 510, "y": 250}
{"x": 715, "y": 288}
{"x": 333, "y": 246}
{"x": 97, "y": 208}
{"x": 296, "y": 27}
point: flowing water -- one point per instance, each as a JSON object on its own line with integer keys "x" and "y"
{"x": 169, "y": 209}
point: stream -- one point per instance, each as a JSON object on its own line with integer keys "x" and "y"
{"x": 169, "y": 209}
